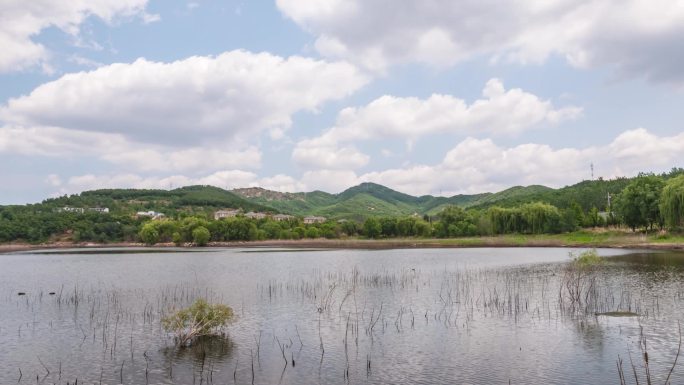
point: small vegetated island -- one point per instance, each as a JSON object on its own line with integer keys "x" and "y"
{"x": 645, "y": 210}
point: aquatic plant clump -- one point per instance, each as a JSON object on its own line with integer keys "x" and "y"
{"x": 200, "y": 319}
{"x": 586, "y": 259}
{"x": 578, "y": 287}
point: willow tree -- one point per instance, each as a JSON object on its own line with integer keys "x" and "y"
{"x": 672, "y": 202}
{"x": 638, "y": 203}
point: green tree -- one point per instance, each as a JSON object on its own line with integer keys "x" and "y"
{"x": 149, "y": 233}
{"x": 201, "y": 236}
{"x": 389, "y": 227}
{"x": 372, "y": 228}
{"x": 349, "y": 228}
{"x": 638, "y": 203}
{"x": 298, "y": 232}
{"x": 578, "y": 212}
{"x": 454, "y": 221}
{"x": 672, "y": 202}
{"x": 177, "y": 238}
{"x": 272, "y": 229}
{"x": 568, "y": 220}
{"x": 593, "y": 219}
{"x": 312, "y": 232}
{"x": 423, "y": 229}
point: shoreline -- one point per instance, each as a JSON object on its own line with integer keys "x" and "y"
{"x": 635, "y": 241}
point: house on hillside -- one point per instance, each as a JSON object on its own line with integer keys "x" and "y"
{"x": 81, "y": 210}
{"x": 282, "y": 217}
{"x": 150, "y": 214}
{"x": 225, "y": 214}
{"x": 253, "y": 215}
{"x": 67, "y": 209}
{"x": 311, "y": 220}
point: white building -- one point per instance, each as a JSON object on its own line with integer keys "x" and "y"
{"x": 151, "y": 214}
{"x": 253, "y": 215}
{"x": 225, "y": 214}
{"x": 311, "y": 220}
{"x": 282, "y": 217}
{"x": 67, "y": 209}
{"x": 81, "y": 210}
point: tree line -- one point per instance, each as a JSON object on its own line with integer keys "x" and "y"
{"x": 648, "y": 202}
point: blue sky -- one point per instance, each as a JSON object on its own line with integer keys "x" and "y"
{"x": 443, "y": 97}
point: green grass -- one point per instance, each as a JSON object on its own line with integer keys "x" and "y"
{"x": 577, "y": 238}
{"x": 666, "y": 238}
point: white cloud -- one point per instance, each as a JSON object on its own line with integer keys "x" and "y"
{"x": 226, "y": 179}
{"x": 189, "y": 159}
{"x": 118, "y": 150}
{"x": 191, "y": 101}
{"x": 500, "y": 111}
{"x": 54, "y": 180}
{"x": 84, "y": 62}
{"x": 316, "y": 154}
{"x": 472, "y": 166}
{"x": 21, "y": 21}
{"x": 636, "y": 37}
{"x": 332, "y": 181}
{"x": 282, "y": 183}
{"x": 475, "y": 166}
{"x": 194, "y": 114}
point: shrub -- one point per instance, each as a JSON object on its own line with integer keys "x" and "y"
{"x": 177, "y": 238}
{"x": 149, "y": 234}
{"x": 200, "y": 319}
{"x": 200, "y": 236}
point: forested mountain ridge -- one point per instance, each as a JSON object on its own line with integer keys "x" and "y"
{"x": 357, "y": 202}
{"x": 374, "y": 200}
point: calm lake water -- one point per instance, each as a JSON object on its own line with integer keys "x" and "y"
{"x": 434, "y": 316}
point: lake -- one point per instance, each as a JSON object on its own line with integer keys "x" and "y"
{"x": 418, "y": 316}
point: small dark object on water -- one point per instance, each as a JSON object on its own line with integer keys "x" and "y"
{"x": 618, "y": 314}
{"x": 52, "y": 293}
{"x": 21, "y": 293}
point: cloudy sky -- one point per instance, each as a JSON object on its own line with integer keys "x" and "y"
{"x": 427, "y": 97}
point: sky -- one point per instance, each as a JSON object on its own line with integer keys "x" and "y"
{"x": 437, "y": 97}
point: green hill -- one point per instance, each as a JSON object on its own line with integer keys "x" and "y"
{"x": 370, "y": 199}
{"x": 587, "y": 194}
{"x": 357, "y": 202}
{"x": 190, "y": 199}
{"x": 374, "y": 200}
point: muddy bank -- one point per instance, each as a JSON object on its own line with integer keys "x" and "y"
{"x": 636, "y": 242}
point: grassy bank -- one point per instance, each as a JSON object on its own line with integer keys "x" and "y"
{"x": 610, "y": 239}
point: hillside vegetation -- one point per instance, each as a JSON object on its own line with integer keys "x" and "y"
{"x": 374, "y": 200}
{"x": 647, "y": 202}
{"x": 190, "y": 199}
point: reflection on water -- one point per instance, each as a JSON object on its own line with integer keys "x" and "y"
{"x": 653, "y": 261}
{"x": 477, "y": 316}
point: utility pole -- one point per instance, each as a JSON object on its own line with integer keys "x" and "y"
{"x": 592, "y": 170}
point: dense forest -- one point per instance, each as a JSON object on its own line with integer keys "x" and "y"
{"x": 647, "y": 202}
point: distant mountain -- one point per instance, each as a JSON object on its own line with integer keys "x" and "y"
{"x": 357, "y": 202}
{"x": 371, "y": 199}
